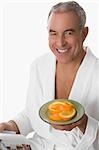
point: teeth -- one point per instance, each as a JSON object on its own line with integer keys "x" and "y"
{"x": 62, "y": 51}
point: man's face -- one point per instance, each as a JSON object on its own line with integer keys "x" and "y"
{"x": 65, "y": 37}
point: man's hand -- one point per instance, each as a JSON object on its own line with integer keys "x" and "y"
{"x": 81, "y": 124}
{"x": 9, "y": 126}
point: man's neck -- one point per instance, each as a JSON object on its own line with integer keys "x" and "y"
{"x": 73, "y": 65}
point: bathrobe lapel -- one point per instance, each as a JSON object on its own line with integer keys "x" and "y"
{"x": 49, "y": 79}
{"x": 79, "y": 92}
{"x": 82, "y": 81}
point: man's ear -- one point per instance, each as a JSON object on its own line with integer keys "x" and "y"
{"x": 84, "y": 33}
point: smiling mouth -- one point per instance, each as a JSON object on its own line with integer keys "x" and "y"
{"x": 62, "y": 50}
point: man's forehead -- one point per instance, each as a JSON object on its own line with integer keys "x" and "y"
{"x": 67, "y": 13}
{"x": 58, "y": 21}
{"x": 63, "y": 17}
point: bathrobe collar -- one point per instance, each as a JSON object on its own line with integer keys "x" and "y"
{"x": 79, "y": 90}
{"x": 82, "y": 78}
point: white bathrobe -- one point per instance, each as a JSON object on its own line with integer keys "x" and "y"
{"x": 41, "y": 89}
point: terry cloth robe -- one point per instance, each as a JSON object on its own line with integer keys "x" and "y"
{"x": 41, "y": 89}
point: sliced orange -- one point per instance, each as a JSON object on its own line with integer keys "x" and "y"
{"x": 67, "y": 115}
{"x": 60, "y": 110}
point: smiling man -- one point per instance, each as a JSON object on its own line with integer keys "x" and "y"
{"x": 70, "y": 71}
{"x": 66, "y": 37}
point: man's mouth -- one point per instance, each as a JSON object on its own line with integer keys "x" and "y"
{"x": 62, "y": 50}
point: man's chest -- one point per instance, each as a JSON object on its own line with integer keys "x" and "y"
{"x": 63, "y": 85}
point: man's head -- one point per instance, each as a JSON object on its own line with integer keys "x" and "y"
{"x": 67, "y": 31}
{"x": 70, "y": 6}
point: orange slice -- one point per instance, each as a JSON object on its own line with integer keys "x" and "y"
{"x": 55, "y": 117}
{"x": 67, "y": 115}
{"x": 59, "y": 106}
{"x": 56, "y": 106}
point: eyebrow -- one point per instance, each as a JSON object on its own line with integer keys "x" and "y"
{"x": 51, "y": 30}
{"x": 73, "y": 30}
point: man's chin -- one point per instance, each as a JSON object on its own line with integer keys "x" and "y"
{"x": 62, "y": 61}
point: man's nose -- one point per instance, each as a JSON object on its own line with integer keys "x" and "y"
{"x": 61, "y": 42}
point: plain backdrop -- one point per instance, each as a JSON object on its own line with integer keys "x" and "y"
{"x": 23, "y": 38}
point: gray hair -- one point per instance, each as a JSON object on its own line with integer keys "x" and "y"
{"x": 70, "y": 6}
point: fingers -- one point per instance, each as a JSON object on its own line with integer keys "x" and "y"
{"x": 4, "y": 126}
{"x": 9, "y": 126}
{"x": 64, "y": 127}
{"x": 81, "y": 124}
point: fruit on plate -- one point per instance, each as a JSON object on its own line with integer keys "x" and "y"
{"x": 61, "y": 111}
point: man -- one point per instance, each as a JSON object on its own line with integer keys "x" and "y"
{"x": 73, "y": 73}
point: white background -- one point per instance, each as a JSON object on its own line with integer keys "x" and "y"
{"x": 23, "y": 37}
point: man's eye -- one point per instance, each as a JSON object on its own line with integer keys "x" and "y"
{"x": 52, "y": 33}
{"x": 68, "y": 33}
